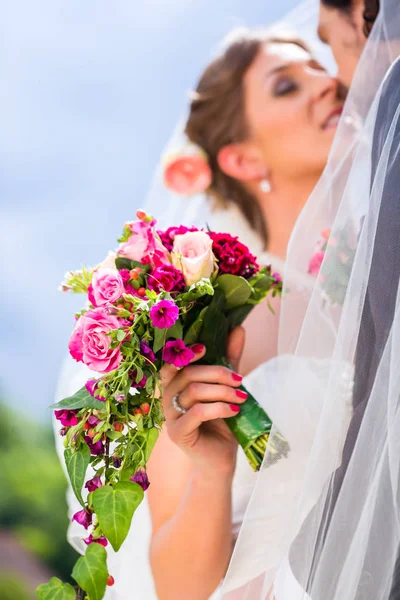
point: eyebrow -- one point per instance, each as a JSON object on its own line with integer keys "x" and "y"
{"x": 277, "y": 69}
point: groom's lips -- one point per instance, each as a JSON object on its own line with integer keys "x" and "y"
{"x": 333, "y": 118}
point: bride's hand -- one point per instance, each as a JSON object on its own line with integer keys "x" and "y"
{"x": 208, "y": 394}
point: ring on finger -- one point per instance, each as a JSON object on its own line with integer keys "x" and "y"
{"x": 177, "y": 405}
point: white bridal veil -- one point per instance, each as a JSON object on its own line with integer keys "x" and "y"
{"x": 342, "y": 534}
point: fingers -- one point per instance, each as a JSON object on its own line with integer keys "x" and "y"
{"x": 235, "y": 345}
{"x": 168, "y": 372}
{"x": 201, "y": 374}
{"x": 183, "y": 429}
{"x": 197, "y": 392}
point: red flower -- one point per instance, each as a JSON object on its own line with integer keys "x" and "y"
{"x": 233, "y": 257}
{"x": 167, "y": 278}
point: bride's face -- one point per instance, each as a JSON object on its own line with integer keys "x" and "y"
{"x": 292, "y": 109}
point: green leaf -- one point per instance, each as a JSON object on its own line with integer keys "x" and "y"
{"x": 81, "y": 399}
{"x": 90, "y": 571}
{"x": 237, "y": 290}
{"x": 126, "y": 263}
{"x": 198, "y": 290}
{"x": 121, "y": 335}
{"x": 152, "y": 438}
{"x": 55, "y": 590}
{"x": 77, "y": 462}
{"x": 193, "y": 333}
{"x": 114, "y": 508}
{"x": 215, "y": 329}
{"x": 237, "y": 315}
{"x": 160, "y": 336}
{"x": 176, "y": 331}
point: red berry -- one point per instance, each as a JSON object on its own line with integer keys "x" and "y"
{"x": 134, "y": 274}
{"x": 131, "y": 318}
{"x": 141, "y": 215}
{"x": 137, "y": 411}
{"x": 91, "y": 433}
{"x": 142, "y": 292}
{"x": 120, "y": 306}
{"x": 118, "y": 426}
{"x": 86, "y": 426}
{"x": 110, "y": 580}
{"x": 145, "y": 408}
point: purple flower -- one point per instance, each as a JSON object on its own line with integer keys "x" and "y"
{"x": 277, "y": 276}
{"x": 93, "y": 484}
{"x": 140, "y": 477}
{"x": 147, "y": 351}
{"x": 83, "y": 517}
{"x": 93, "y": 421}
{"x": 177, "y": 354}
{"x": 167, "y": 278}
{"x": 117, "y": 462}
{"x": 164, "y": 314}
{"x": 95, "y": 448}
{"x": 67, "y": 418}
{"x": 101, "y": 540}
{"x": 91, "y": 386}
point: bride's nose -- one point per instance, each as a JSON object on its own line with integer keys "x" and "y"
{"x": 322, "y": 85}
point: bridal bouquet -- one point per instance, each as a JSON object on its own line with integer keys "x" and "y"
{"x": 148, "y": 305}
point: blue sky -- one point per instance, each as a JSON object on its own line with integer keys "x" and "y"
{"x": 90, "y": 94}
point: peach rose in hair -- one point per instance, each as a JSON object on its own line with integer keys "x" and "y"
{"x": 187, "y": 173}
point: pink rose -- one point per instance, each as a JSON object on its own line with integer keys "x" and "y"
{"x": 90, "y": 343}
{"x": 315, "y": 263}
{"x": 144, "y": 244}
{"x": 189, "y": 172}
{"x": 107, "y": 287}
{"x": 192, "y": 254}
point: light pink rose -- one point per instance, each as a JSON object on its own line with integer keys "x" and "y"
{"x": 107, "y": 287}
{"x": 315, "y": 263}
{"x": 187, "y": 174}
{"x": 144, "y": 243}
{"x": 108, "y": 262}
{"x": 90, "y": 344}
{"x": 192, "y": 254}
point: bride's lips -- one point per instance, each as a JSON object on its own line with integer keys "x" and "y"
{"x": 332, "y": 121}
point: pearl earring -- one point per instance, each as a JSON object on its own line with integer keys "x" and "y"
{"x": 265, "y": 185}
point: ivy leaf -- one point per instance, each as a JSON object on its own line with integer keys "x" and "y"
{"x": 193, "y": 333}
{"x": 55, "y": 590}
{"x": 114, "y": 507}
{"x": 81, "y": 399}
{"x": 77, "y": 462}
{"x": 237, "y": 290}
{"x": 91, "y": 573}
{"x": 152, "y": 438}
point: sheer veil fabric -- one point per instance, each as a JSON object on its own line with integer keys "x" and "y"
{"x": 341, "y": 537}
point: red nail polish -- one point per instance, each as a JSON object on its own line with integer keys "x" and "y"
{"x": 235, "y": 408}
{"x": 241, "y": 394}
{"x": 236, "y": 377}
{"x": 197, "y": 348}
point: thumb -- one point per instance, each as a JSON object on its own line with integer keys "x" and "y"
{"x": 234, "y": 347}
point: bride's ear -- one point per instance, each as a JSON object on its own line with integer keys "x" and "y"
{"x": 241, "y": 162}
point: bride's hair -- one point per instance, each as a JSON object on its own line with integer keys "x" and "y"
{"x": 217, "y": 116}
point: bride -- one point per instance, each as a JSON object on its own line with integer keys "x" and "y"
{"x": 265, "y": 112}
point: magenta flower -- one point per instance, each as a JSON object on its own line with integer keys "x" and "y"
{"x": 101, "y": 540}
{"x": 315, "y": 263}
{"x": 141, "y": 478}
{"x": 167, "y": 278}
{"x": 93, "y": 421}
{"x": 177, "y": 354}
{"x": 146, "y": 351}
{"x": 168, "y": 236}
{"x": 164, "y": 314}
{"x": 83, "y": 517}
{"x": 93, "y": 484}
{"x": 96, "y": 448}
{"x": 91, "y": 386}
{"x": 67, "y": 418}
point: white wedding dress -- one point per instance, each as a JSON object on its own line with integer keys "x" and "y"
{"x": 130, "y": 567}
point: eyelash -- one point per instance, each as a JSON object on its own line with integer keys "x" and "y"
{"x": 285, "y": 86}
